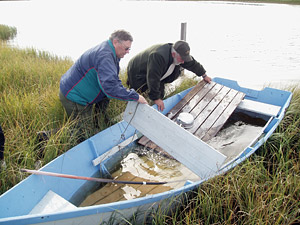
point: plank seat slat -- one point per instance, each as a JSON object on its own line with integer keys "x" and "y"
{"x": 186, "y": 99}
{"x": 210, "y": 104}
{"x": 215, "y": 109}
{"x": 206, "y": 106}
{"x": 259, "y": 107}
{"x": 194, "y": 102}
{"x": 223, "y": 117}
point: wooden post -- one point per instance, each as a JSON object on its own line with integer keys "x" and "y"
{"x": 183, "y": 32}
{"x": 182, "y": 37}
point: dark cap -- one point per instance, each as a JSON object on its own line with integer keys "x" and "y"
{"x": 183, "y": 49}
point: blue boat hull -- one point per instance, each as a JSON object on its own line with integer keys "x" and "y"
{"x": 17, "y": 203}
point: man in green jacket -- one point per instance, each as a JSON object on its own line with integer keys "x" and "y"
{"x": 160, "y": 64}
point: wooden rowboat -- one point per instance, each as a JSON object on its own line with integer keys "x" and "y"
{"x": 93, "y": 165}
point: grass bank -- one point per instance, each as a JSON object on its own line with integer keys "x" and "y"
{"x": 29, "y": 103}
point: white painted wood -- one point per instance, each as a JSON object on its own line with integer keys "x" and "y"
{"x": 103, "y": 217}
{"x": 195, "y": 154}
{"x": 259, "y": 107}
{"x": 52, "y": 202}
{"x": 115, "y": 149}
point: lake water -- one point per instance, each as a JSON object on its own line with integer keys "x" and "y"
{"x": 254, "y": 44}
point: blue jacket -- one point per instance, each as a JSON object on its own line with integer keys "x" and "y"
{"x": 95, "y": 75}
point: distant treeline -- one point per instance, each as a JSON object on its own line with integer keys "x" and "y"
{"x": 295, "y": 2}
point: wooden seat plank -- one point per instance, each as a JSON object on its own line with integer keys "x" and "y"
{"x": 224, "y": 116}
{"x": 143, "y": 140}
{"x": 259, "y": 107}
{"x": 210, "y": 104}
{"x": 186, "y": 99}
{"x": 206, "y": 106}
{"x": 185, "y": 105}
{"x": 216, "y": 112}
{"x": 207, "y": 89}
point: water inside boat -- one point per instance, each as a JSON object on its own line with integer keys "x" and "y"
{"x": 240, "y": 131}
{"x": 142, "y": 164}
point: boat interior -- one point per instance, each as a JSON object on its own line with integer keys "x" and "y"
{"x": 221, "y": 117}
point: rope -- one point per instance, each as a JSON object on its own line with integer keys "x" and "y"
{"x": 122, "y": 135}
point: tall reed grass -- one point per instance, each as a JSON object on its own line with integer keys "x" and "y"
{"x": 29, "y": 103}
{"x": 7, "y": 32}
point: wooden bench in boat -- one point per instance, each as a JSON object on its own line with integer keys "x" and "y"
{"x": 202, "y": 159}
{"x": 259, "y": 107}
{"x": 210, "y": 104}
{"x": 201, "y": 94}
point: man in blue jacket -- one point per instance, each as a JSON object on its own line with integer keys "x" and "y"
{"x": 94, "y": 78}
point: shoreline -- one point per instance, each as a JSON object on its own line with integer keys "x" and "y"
{"x": 287, "y": 2}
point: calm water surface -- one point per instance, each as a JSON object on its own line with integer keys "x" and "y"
{"x": 254, "y": 44}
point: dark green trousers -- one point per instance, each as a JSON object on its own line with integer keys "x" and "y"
{"x": 86, "y": 115}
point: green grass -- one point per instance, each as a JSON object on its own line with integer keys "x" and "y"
{"x": 29, "y": 103}
{"x": 7, "y": 32}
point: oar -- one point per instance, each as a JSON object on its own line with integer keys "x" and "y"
{"x": 37, "y": 172}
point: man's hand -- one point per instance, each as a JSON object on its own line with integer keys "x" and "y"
{"x": 160, "y": 104}
{"x": 206, "y": 78}
{"x": 142, "y": 100}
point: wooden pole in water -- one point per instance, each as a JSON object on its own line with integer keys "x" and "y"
{"x": 44, "y": 173}
{"x": 183, "y": 38}
{"x": 183, "y": 32}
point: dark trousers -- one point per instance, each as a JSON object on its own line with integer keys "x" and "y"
{"x": 85, "y": 114}
{"x": 2, "y": 140}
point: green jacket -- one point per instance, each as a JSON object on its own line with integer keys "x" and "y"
{"x": 147, "y": 68}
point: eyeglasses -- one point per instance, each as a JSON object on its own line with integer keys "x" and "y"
{"x": 125, "y": 48}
